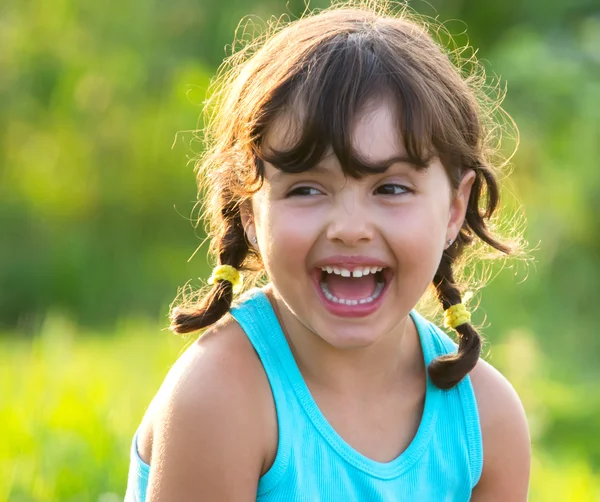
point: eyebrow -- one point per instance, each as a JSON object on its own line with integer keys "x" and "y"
{"x": 376, "y": 168}
{"x": 384, "y": 165}
{"x": 280, "y": 173}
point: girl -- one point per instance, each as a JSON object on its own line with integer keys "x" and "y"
{"x": 349, "y": 161}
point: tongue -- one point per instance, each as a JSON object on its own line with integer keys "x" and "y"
{"x": 350, "y": 288}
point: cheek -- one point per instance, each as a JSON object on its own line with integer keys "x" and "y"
{"x": 289, "y": 234}
{"x": 419, "y": 238}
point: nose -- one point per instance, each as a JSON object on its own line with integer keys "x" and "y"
{"x": 350, "y": 220}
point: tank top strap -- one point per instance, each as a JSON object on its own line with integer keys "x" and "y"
{"x": 438, "y": 344}
{"x": 430, "y": 348}
{"x": 262, "y": 326}
{"x": 255, "y": 316}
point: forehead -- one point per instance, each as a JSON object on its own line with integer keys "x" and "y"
{"x": 375, "y": 134}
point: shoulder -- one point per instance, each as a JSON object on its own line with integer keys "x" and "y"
{"x": 505, "y": 435}
{"x": 213, "y": 421}
{"x": 222, "y": 367}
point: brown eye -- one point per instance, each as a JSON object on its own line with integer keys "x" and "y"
{"x": 391, "y": 189}
{"x": 303, "y": 191}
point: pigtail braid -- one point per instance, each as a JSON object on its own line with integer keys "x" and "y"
{"x": 232, "y": 249}
{"x": 446, "y": 371}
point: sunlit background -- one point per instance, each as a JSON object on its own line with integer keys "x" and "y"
{"x": 96, "y": 225}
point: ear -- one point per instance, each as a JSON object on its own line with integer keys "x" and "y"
{"x": 458, "y": 206}
{"x": 247, "y": 217}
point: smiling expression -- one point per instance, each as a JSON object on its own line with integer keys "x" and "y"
{"x": 349, "y": 258}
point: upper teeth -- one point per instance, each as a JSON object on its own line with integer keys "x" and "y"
{"x": 357, "y": 272}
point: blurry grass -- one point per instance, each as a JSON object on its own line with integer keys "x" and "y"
{"x": 69, "y": 405}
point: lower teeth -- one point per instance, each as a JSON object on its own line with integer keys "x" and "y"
{"x": 376, "y": 294}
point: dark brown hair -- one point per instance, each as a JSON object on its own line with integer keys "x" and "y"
{"x": 334, "y": 63}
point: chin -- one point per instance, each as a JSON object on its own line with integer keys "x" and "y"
{"x": 357, "y": 336}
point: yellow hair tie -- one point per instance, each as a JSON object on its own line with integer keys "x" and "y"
{"x": 227, "y": 273}
{"x": 456, "y": 315}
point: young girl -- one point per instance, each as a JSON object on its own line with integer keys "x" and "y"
{"x": 349, "y": 161}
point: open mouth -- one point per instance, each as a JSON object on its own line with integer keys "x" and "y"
{"x": 359, "y": 286}
{"x": 352, "y": 290}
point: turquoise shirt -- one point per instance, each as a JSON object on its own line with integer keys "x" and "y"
{"x": 314, "y": 464}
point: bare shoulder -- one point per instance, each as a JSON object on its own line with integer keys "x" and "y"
{"x": 211, "y": 427}
{"x": 505, "y": 434}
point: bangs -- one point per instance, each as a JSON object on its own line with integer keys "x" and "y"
{"x": 320, "y": 102}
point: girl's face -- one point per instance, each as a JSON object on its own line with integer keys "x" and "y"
{"x": 385, "y": 231}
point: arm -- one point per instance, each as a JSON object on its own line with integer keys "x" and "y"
{"x": 506, "y": 442}
{"x": 209, "y": 440}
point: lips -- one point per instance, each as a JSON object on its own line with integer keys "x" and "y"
{"x": 351, "y": 287}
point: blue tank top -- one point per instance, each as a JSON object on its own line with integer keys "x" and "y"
{"x": 314, "y": 464}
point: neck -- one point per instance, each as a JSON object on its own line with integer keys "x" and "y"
{"x": 391, "y": 361}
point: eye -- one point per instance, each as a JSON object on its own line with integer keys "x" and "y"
{"x": 391, "y": 189}
{"x": 303, "y": 191}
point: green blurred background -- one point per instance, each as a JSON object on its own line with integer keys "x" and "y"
{"x": 96, "y": 225}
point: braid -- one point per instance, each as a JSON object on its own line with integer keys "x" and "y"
{"x": 232, "y": 249}
{"x": 446, "y": 371}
